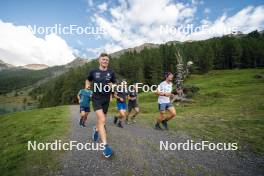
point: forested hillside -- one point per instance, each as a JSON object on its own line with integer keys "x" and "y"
{"x": 148, "y": 65}
{"x": 14, "y": 79}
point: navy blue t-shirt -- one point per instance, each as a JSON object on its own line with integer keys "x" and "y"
{"x": 133, "y": 94}
{"x": 103, "y": 77}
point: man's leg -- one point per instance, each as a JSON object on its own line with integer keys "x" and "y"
{"x": 128, "y": 113}
{"x": 172, "y": 113}
{"x": 122, "y": 117}
{"x": 85, "y": 118}
{"x": 136, "y": 109}
{"x": 100, "y": 125}
{"x": 82, "y": 117}
{"x": 160, "y": 118}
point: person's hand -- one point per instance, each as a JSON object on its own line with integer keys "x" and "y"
{"x": 167, "y": 94}
{"x": 121, "y": 99}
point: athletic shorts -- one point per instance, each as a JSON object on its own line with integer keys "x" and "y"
{"x": 164, "y": 106}
{"x": 101, "y": 102}
{"x": 131, "y": 105}
{"x": 121, "y": 106}
{"x": 85, "y": 109}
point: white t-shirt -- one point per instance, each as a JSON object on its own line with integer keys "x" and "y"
{"x": 164, "y": 87}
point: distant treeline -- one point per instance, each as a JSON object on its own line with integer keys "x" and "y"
{"x": 17, "y": 78}
{"x": 149, "y": 65}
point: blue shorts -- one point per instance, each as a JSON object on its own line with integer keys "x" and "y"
{"x": 164, "y": 106}
{"x": 85, "y": 109}
{"x": 121, "y": 106}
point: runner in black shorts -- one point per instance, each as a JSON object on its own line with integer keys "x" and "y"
{"x": 132, "y": 105}
{"x": 103, "y": 77}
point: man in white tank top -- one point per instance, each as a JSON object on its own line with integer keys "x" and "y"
{"x": 164, "y": 93}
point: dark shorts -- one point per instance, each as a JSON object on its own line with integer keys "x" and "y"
{"x": 101, "y": 102}
{"x": 85, "y": 109}
{"x": 164, "y": 106}
{"x": 132, "y": 105}
{"x": 121, "y": 106}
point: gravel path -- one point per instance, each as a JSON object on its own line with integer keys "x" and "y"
{"x": 137, "y": 153}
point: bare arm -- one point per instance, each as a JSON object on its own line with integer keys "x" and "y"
{"x": 78, "y": 97}
{"x": 163, "y": 94}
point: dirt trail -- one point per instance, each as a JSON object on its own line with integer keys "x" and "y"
{"x": 137, "y": 153}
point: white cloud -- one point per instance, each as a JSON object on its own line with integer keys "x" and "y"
{"x": 108, "y": 48}
{"x": 102, "y": 7}
{"x": 246, "y": 20}
{"x": 90, "y": 2}
{"x": 135, "y": 22}
{"x": 19, "y": 46}
{"x": 207, "y": 10}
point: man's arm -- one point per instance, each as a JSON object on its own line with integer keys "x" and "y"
{"x": 117, "y": 97}
{"x": 113, "y": 78}
{"x": 78, "y": 97}
{"x": 159, "y": 93}
{"x": 131, "y": 98}
{"x": 89, "y": 78}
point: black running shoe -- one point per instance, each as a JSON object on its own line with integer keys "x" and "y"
{"x": 115, "y": 119}
{"x": 81, "y": 122}
{"x": 157, "y": 127}
{"x": 127, "y": 122}
{"x": 120, "y": 124}
{"x": 165, "y": 124}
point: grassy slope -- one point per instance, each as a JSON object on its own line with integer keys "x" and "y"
{"x": 228, "y": 108}
{"x": 41, "y": 125}
{"x": 11, "y": 103}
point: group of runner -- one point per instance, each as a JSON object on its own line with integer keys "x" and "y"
{"x": 122, "y": 96}
{"x": 101, "y": 99}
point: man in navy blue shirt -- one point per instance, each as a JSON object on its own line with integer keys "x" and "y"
{"x": 101, "y": 98}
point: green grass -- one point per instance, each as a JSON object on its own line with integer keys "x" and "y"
{"x": 229, "y": 107}
{"x": 41, "y": 125}
{"x": 12, "y": 103}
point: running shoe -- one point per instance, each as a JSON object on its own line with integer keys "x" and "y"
{"x": 165, "y": 124}
{"x": 127, "y": 122}
{"x": 157, "y": 127}
{"x": 120, "y": 124}
{"x": 81, "y": 122}
{"x": 115, "y": 119}
{"x": 108, "y": 152}
{"x": 133, "y": 120}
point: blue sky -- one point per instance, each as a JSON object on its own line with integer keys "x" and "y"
{"x": 127, "y": 24}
